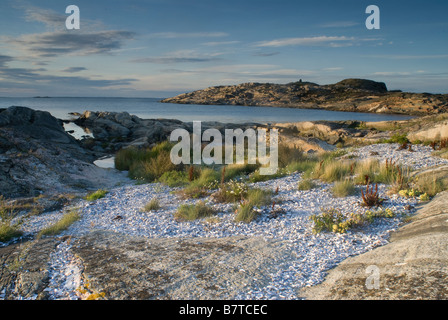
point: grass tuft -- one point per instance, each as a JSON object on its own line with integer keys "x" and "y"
{"x": 194, "y": 211}
{"x": 152, "y": 205}
{"x": 343, "y": 188}
{"x": 96, "y": 195}
{"x": 66, "y": 221}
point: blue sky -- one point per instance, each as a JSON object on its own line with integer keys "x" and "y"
{"x": 145, "y": 48}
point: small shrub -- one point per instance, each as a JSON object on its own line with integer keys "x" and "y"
{"x": 431, "y": 184}
{"x": 334, "y": 170}
{"x": 306, "y": 184}
{"x": 245, "y": 212}
{"x": 234, "y": 170}
{"x": 344, "y": 188}
{"x": 174, "y": 178}
{"x": 8, "y": 231}
{"x": 198, "y": 188}
{"x": 398, "y": 138}
{"x": 231, "y": 191}
{"x": 370, "y": 197}
{"x": 366, "y": 171}
{"x": 96, "y": 195}
{"x": 409, "y": 193}
{"x": 146, "y": 164}
{"x": 193, "y": 192}
{"x": 152, "y": 205}
{"x": 305, "y": 166}
{"x": 259, "y": 197}
{"x": 288, "y": 154}
{"x": 332, "y": 220}
{"x": 206, "y": 177}
{"x": 194, "y": 211}
{"x": 424, "y": 197}
{"x": 153, "y": 168}
{"x": 327, "y": 220}
{"x": 257, "y": 177}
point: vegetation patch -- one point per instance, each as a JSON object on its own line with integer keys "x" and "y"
{"x": 96, "y": 195}
{"x": 148, "y": 164}
{"x": 343, "y": 188}
{"x": 246, "y": 212}
{"x": 306, "y": 184}
{"x": 152, "y": 205}
{"x": 333, "y": 220}
{"x": 66, "y": 221}
{"x": 194, "y": 211}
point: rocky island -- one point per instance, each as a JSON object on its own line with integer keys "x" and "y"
{"x": 356, "y": 95}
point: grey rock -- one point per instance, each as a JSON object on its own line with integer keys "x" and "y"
{"x": 413, "y": 266}
{"x": 129, "y": 268}
{"x": 38, "y": 156}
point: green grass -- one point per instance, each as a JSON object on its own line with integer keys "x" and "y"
{"x": 332, "y": 170}
{"x": 431, "y": 184}
{"x": 146, "y": 164}
{"x": 288, "y": 155}
{"x": 96, "y": 195}
{"x": 257, "y": 177}
{"x": 152, "y": 205}
{"x": 235, "y": 170}
{"x": 343, "y": 188}
{"x": 174, "y": 178}
{"x": 66, "y": 221}
{"x": 8, "y": 231}
{"x": 245, "y": 212}
{"x": 305, "y": 166}
{"x": 259, "y": 197}
{"x": 306, "y": 184}
{"x": 332, "y": 220}
{"x": 199, "y": 187}
{"x": 397, "y": 138}
{"x": 194, "y": 211}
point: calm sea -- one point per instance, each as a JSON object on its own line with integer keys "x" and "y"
{"x": 151, "y": 108}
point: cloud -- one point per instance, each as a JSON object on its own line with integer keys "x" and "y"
{"x": 57, "y": 40}
{"x": 50, "y": 18}
{"x": 181, "y": 56}
{"x": 408, "y": 57}
{"x": 74, "y": 69}
{"x": 265, "y": 54}
{"x": 34, "y": 77}
{"x": 333, "y": 69}
{"x": 307, "y": 41}
{"x": 52, "y": 44}
{"x": 244, "y": 71}
{"x": 174, "y": 35}
{"x": 5, "y": 59}
{"x": 339, "y": 24}
{"x": 219, "y": 43}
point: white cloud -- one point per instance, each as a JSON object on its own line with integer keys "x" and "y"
{"x": 339, "y": 24}
{"x": 219, "y": 43}
{"x": 174, "y": 35}
{"x": 307, "y": 41}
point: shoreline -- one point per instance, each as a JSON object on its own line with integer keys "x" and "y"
{"x": 272, "y": 257}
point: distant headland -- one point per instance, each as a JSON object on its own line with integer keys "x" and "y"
{"x": 355, "y": 95}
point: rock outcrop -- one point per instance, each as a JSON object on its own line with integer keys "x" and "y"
{"x": 37, "y": 156}
{"x": 355, "y": 95}
{"x": 412, "y": 266}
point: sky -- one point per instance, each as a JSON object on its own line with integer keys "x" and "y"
{"x": 155, "y": 48}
